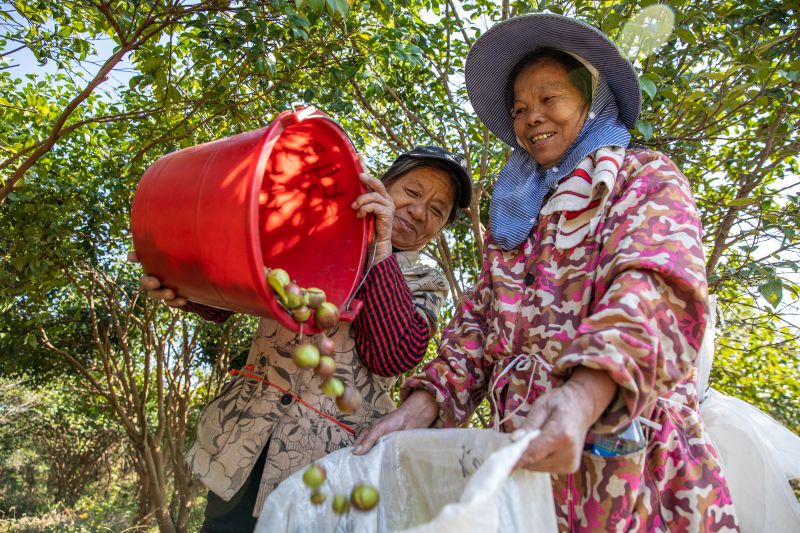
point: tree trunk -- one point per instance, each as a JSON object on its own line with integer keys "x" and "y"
{"x": 145, "y": 507}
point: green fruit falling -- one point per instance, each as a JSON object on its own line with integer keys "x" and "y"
{"x": 294, "y": 295}
{"x": 349, "y": 400}
{"x": 340, "y": 504}
{"x": 277, "y": 279}
{"x": 326, "y": 367}
{"x": 306, "y": 356}
{"x": 314, "y": 476}
{"x": 314, "y": 297}
{"x": 333, "y": 387}
{"x": 302, "y": 313}
{"x": 364, "y": 497}
{"x": 326, "y": 345}
{"x": 326, "y": 316}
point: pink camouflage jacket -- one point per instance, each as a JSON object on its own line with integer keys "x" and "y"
{"x": 629, "y": 298}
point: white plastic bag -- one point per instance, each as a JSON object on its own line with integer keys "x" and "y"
{"x": 759, "y": 456}
{"x": 430, "y": 480}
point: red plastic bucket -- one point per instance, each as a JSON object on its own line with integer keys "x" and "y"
{"x": 208, "y": 219}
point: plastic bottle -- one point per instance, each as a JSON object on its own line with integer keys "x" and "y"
{"x": 628, "y": 440}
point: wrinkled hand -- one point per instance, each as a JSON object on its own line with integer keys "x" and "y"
{"x": 418, "y": 411}
{"x": 564, "y": 415}
{"x": 379, "y": 203}
{"x": 154, "y": 288}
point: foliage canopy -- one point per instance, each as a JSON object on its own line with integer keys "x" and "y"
{"x": 122, "y": 83}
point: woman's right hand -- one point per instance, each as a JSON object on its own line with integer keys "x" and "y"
{"x": 154, "y": 288}
{"x": 418, "y": 411}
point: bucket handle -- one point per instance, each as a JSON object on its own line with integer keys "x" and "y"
{"x": 370, "y": 264}
{"x": 301, "y": 112}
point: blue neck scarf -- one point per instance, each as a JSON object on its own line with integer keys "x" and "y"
{"x": 520, "y": 190}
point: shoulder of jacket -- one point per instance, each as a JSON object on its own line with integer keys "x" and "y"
{"x": 638, "y": 157}
{"x": 651, "y": 166}
{"x": 651, "y": 172}
{"x": 418, "y": 275}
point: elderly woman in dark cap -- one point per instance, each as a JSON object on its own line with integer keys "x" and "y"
{"x": 592, "y": 301}
{"x": 272, "y": 418}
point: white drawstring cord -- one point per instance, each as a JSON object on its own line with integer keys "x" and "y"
{"x": 521, "y": 362}
{"x": 542, "y": 362}
{"x": 524, "y": 365}
{"x": 655, "y": 425}
{"x": 649, "y": 423}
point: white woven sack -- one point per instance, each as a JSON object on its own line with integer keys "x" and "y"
{"x": 759, "y": 456}
{"x": 430, "y": 480}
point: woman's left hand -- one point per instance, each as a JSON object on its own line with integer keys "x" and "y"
{"x": 379, "y": 203}
{"x": 564, "y": 415}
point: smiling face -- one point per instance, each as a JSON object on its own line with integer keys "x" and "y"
{"x": 548, "y": 111}
{"x": 423, "y": 198}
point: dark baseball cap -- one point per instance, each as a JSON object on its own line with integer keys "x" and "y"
{"x": 456, "y": 164}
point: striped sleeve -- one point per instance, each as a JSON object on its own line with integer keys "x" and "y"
{"x": 391, "y": 336}
{"x": 212, "y": 314}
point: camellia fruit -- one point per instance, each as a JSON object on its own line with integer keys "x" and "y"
{"x": 301, "y": 314}
{"x": 340, "y": 504}
{"x": 278, "y": 278}
{"x": 326, "y": 345}
{"x": 294, "y": 295}
{"x": 333, "y": 387}
{"x": 314, "y": 476}
{"x": 349, "y": 401}
{"x": 306, "y": 356}
{"x": 364, "y": 497}
{"x": 317, "y": 498}
{"x": 314, "y": 297}
{"x": 326, "y": 367}
{"x": 326, "y": 316}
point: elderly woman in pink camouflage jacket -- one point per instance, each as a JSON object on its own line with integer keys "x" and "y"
{"x": 592, "y": 300}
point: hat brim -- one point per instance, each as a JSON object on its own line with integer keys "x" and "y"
{"x": 496, "y": 52}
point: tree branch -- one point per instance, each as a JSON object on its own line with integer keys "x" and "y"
{"x": 749, "y": 182}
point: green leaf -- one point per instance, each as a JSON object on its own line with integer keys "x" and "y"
{"x": 645, "y": 128}
{"x": 716, "y": 76}
{"x": 791, "y": 75}
{"x": 765, "y": 46}
{"x": 742, "y": 202}
{"x": 300, "y": 21}
{"x": 375, "y": 88}
{"x": 611, "y": 22}
{"x": 772, "y": 291}
{"x": 648, "y": 86}
{"x": 135, "y": 81}
{"x": 151, "y": 65}
{"x": 343, "y": 7}
{"x": 316, "y": 5}
{"x": 738, "y": 90}
{"x": 685, "y": 34}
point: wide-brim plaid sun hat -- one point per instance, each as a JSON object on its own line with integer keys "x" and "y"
{"x": 496, "y": 52}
